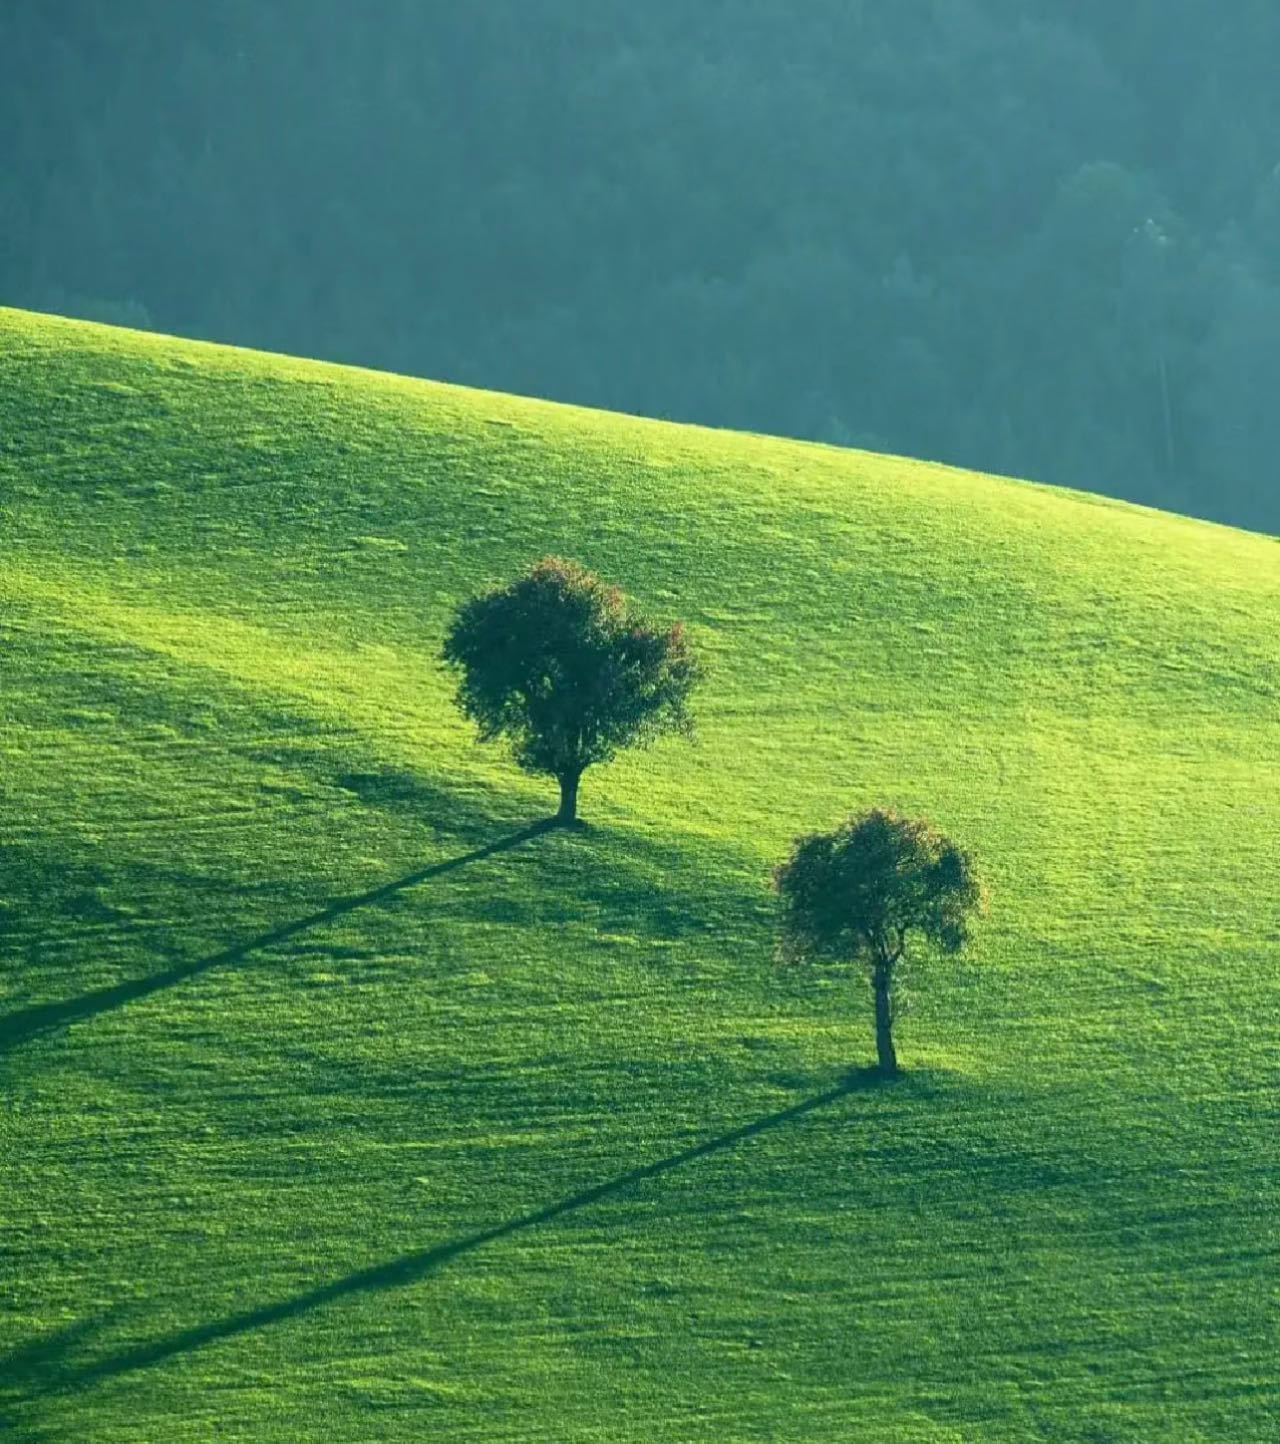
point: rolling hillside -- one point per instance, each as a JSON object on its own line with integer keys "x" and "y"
{"x": 340, "y": 1105}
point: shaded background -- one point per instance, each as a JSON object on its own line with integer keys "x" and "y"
{"x": 1040, "y": 237}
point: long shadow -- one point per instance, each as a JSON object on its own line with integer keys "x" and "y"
{"x": 410, "y": 1268}
{"x": 26, "y": 1023}
{"x": 25, "y": 1370}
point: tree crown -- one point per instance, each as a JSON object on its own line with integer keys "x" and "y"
{"x": 857, "y": 892}
{"x": 559, "y": 663}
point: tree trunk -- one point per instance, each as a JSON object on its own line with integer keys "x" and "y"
{"x": 885, "y": 1055}
{"x": 568, "y": 813}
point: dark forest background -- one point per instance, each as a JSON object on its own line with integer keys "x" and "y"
{"x": 1039, "y": 237}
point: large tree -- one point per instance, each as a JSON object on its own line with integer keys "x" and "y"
{"x": 558, "y": 662}
{"x": 858, "y": 894}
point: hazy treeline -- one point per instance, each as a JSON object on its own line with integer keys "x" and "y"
{"x": 1033, "y": 236}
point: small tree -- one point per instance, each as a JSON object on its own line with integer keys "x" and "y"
{"x": 856, "y": 895}
{"x": 557, "y": 662}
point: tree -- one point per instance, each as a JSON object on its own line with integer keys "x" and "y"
{"x": 559, "y": 663}
{"x": 858, "y": 893}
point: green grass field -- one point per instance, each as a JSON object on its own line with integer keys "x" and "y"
{"x": 339, "y": 1106}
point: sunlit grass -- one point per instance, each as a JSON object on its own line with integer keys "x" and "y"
{"x": 263, "y": 1192}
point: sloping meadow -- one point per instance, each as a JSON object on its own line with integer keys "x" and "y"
{"x": 340, "y": 1102}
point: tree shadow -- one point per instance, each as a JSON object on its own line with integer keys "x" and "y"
{"x": 617, "y": 879}
{"x": 25, "y": 1371}
{"x": 408, "y": 1268}
{"x": 26, "y": 1023}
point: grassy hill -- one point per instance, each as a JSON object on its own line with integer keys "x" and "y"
{"x": 338, "y": 1106}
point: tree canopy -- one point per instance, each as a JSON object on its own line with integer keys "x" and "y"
{"x": 1039, "y": 237}
{"x": 560, "y": 664}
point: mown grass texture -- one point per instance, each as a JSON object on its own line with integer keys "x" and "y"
{"x": 340, "y": 1103}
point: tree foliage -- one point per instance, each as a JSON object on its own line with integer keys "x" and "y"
{"x": 558, "y": 663}
{"x": 858, "y": 894}
{"x": 1032, "y": 236}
